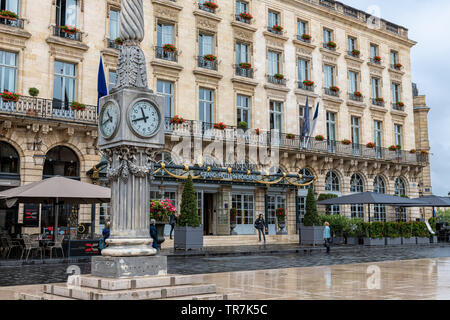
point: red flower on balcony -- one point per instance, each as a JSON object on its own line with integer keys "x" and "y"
{"x": 424, "y": 152}
{"x": 280, "y": 214}
{"x": 118, "y": 41}
{"x": 346, "y": 142}
{"x": 210, "y": 57}
{"x": 245, "y": 65}
{"x": 399, "y": 104}
{"x": 277, "y": 28}
{"x": 177, "y": 119}
{"x": 398, "y": 66}
{"x": 331, "y": 44}
{"x": 413, "y": 151}
{"x": 245, "y": 16}
{"x": 334, "y": 89}
{"x": 220, "y": 126}
{"x": 278, "y": 76}
{"x": 169, "y": 47}
{"x": 69, "y": 29}
{"x": 77, "y": 106}
{"x": 356, "y": 53}
{"x": 290, "y": 136}
{"x": 306, "y": 36}
{"x": 357, "y": 94}
{"x": 377, "y": 58}
{"x": 379, "y": 99}
{"x": 370, "y": 145}
{"x": 308, "y": 83}
{"x": 6, "y": 14}
{"x": 10, "y": 96}
{"x": 319, "y": 138}
{"x": 395, "y": 147}
{"x": 257, "y": 132}
{"x": 211, "y": 5}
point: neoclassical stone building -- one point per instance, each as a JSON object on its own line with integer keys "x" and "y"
{"x": 248, "y": 62}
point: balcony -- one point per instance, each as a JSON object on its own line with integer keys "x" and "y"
{"x": 351, "y": 53}
{"x": 207, "y": 64}
{"x": 300, "y": 38}
{"x": 201, "y": 6}
{"x": 274, "y": 80}
{"x": 326, "y": 46}
{"x": 295, "y": 142}
{"x": 328, "y": 4}
{"x": 398, "y": 107}
{"x": 240, "y": 19}
{"x": 17, "y": 23}
{"x": 243, "y": 72}
{"x": 396, "y": 66}
{"x": 374, "y": 61}
{"x": 302, "y": 86}
{"x": 354, "y": 97}
{"x": 58, "y": 32}
{"x": 275, "y": 31}
{"x": 48, "y": 109}
{"x": 330, "y": 92}
{"x": 161, "y": 53}
{"x": 378, "y": 103}
{"x": 113, "y": 45}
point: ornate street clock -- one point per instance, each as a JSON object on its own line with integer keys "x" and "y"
{"x": 144, "y": 119}
{"x": 109, "y": 120}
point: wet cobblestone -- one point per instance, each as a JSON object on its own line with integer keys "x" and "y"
{"x": 36, "y": 274}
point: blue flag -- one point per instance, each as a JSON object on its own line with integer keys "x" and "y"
{"x": 316, "y": 115}
{"x": 306, "y": 122}
{"x": 102, "y": 89}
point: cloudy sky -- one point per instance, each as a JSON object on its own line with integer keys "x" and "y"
{"x": 429, "y": 24}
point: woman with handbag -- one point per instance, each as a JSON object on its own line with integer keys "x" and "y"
{"x": 327, "y": 235}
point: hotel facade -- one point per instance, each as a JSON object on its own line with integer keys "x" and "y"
{"x": 249, "y": 63}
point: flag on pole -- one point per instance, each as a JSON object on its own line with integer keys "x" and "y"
{"x": 102, "y": 89}
{"x": 314, "y": 121}
{"x": 306, "y": 123}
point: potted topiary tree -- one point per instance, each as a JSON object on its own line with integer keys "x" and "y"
{"x": 406, "y": 233}
{"x": 338, "y": 225}
{"x": 392, "y": 232}
{"x": 354, "y": 231}
{"x": 374, "y": 234}
{"x": 188, "y": 232}
{"x": 280, "y": 213}
{"x": 311, "y": 232}
{"x": 419, "y": 230}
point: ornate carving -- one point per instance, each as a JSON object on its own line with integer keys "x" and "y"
{"x": 329, "y": 58}
{"x": 124, "y": 160}
{"x": 165, "y": 12}
{"x": 246, "y": 36}
{"x": 206, "y": 23}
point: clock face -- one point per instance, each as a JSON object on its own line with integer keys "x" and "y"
{"x": 109, "y": 120}
{"x": 144, "y": 119}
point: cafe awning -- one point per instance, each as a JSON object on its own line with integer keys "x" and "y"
{"x": 372, "y": 198}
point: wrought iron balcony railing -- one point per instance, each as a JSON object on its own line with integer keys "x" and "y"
{"x": 299, "y": 37}
{"x": 243, "y": 72}
{"x": 240, "y": 19}
{"x": 18, "y": 23}
{"x": 161, "y": 53}
{"x": 49, "y": 109}
{"x": 354, "y": 97}
{"x": 377, "y": 102}
{"x": 302, "y": 86}
{"x": 375, "y": 61}
{"x": 274, "y": 80}
{"x": 395, "y": 106}
{"x": 113, "y": 45}
{"x": 201, "y": 6}
{"x": 58, "y": 32}
{"x": 271, "y": 29}
{"x": 330, "y": 92}
{"x": 207, "y": 64}
{"x": 326, "y": 46}
{"x": 293, "y": 142}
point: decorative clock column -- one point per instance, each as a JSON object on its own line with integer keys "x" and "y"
{"x": 131, "y": 127}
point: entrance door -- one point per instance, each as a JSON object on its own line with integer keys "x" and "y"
{"x": 245, "y": 213}
{"x": 274, "y": 202}
{"x": 208, "y": 209}
{"x": 223, "y": 213}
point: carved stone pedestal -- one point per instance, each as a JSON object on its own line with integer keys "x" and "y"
{"x": 128, "y": 267}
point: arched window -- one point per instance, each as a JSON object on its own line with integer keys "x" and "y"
{"x": 400, "y": 190}
{"x": 356, "y": 186}
{"x": 61, "y": 161}
{"x": 9, "y": 159}
{"x": 379, "y": 186}
{"x": 332, "y": 182}
{"x": 305, "y": 172}
{"x": 356, "y": 183}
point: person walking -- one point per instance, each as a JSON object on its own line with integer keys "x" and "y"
{"x": 260, "y": 225}
{"x": 327, "y": 236}
{"x": 154, "y": 234}
{"x": 172, "y": 222}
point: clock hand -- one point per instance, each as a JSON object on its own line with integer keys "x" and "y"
{"x": 140, "y": 119}
{"x": 109, "y": 116}
{"x": 143, "y": 116}
{"x": 109, "y": 120}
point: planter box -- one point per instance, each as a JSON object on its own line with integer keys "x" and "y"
{"x": 338, "y": 240}
{"x": 433, "y": 239}
{"x": 393, "y": 241}
{"x": 188, "y": 238}
{"x": 352, "y": 241}
{"x": 374, "y": 242}
{"x": 422, "y": 240}
{"x": 411, "y": 240}
{"x": 311, "y": 235}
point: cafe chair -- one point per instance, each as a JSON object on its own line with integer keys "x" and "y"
{"x": 56, "y": 245}
{"x": 10, "y": 245}
{"x": 30, "y": 245}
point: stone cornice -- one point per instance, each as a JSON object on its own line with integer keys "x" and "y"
{"x": 244, "y": 80}
{"x": 207, "y": 73}
{"x": 243, "y": 25}
{"x": 67, "y": 43}
{"x": 275, "y": 87}
{"x": 399, "y": 113}
{"x": 212, "y": 16}
{"x": 356, "y": 104}
{"x": 378, "y": 109}
{"x": 302, "y": 92}
{"x": 332, "y": 99}
{"x": 354, "y": 59}
{"x": 325, "y": 52}
{"x": 395, "y": 71}
{"x": 168, "y": 4}
{"x": 166, "y": 64}
{"x": 303, "y": 44}
{"x": 14, "y": 31}
{"x": 378, "y": 66}
{"x": 276, "y": 36}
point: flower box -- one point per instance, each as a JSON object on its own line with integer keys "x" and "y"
{"x": 169, "y": 47}
{"x": 77, "y": 106}
{"x": 334, "y": 89}
{"x": 374, "y": 241}
{"x": 424, "y": 152}
{"x": 277, "y": 28}
{"x": 290, "y": 136}
{"x": 398, "y": 66}
{"x": 211, "y": 5}
{"x": 379, "y": 99}
{"x": 331, "y": 44}
{"x": 306, "y": 36}
{"x": 411, "y": 240}
{"x": 377, "y": 59}
{"x": 399, "y": 104}
{"x": 319, "y": 138}
{"x": 177, "y": 119}
{"x": 370, "y": 145}
{"x": 245, "y": 16}
{"x": 278, "y": 76}
{"x": 394, "y": 148}
{"x": 393, "y": 241}
{"x": 422, "y": 240}
{"x": 220, "y": 126}
{"x": 357, "y": 94}
{"x": 433, "y": 239}
{"x": 257, "y": 132}
{"x": 118, "y": 41}
{"x": 311, "y": 235}
{"x": 338, "y": 240}
{"x": 353, "y": 241}
{"x": 308, "y": 83}
{"x": 188, "y": 238}
{"x": 9, "y": 15}
{"x": 245, "y": 65}
{"x": 10, "y": 96}
{"x": 356, "y": 53}
{"x": 346, "y": 142}
{"x": 210, "y": 57}
{"x": 69, "y": 29}
{"x": 413, "y": 151}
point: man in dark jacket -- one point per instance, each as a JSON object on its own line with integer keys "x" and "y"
{"x": 260, "y": 225}
{"x": 154, "y": 234}
{"x": 172, "y": 222}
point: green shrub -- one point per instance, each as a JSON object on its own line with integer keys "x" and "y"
{"x": 188, "y": 209}
{"x": 326, "y": 196}
{"x": 406, "y": 229}
{"x": 374, "y": 230}
{"x": 419, "y": 229}
{"x": 243, "y": 125}
{"x": 432, "y": 222}
{"x": 392, "y": 229}
{"x": 354, "y": 228}
{"x": 338, "y": 224}
{"x": 311, "y": 217}
{"x": 33, "y": 92}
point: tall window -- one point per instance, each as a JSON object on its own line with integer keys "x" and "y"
{"x": 373, "y": 51}
{"x": 394, "y": 57}
{"x": 356, "y": 138}
{"x": 244, "y": 205}
{"x": 241, "y": 6}
{"x": 274, "y": 62}
{"x": 276, "y": 115}
{"x": 357, "y": 186}
{"x": 400, "y": 190}
{"x": 242, "y": 53}
{"x": 375, "y": 88}
{"x": 205, "y": 44}
{"x": 351, "y": 44}
{"x": 303, "y": 70}
{"x": 274, "y": 19}
{"x": 66, "y": 12}
{"x": 114, "y": 24}
{"x": 10, "y": 5}
{"x": 8, "y": 71}
{"x": 329, "y": 75}
{"x": 206, "y": 105}
{"x": 111, "y": 80}
{"x": 331, "y": 126}
{"x": 64, "y": 84}
{"x": 165, "y": 88}
{"x": 327, "y": 35}
{"x": 398, "y": 133}
{"x": 302, "y": 27}
{"x": 378, "y": 133}
{"x": 379, "y": 209}
{"x": 243, "y": 108}
{"x": 395, "y": 92}
{"x": 332, "y": 184}
{"x": 9, "y": 159}
{"x": 353, "y": 81}
{"x": 164, "y": 34}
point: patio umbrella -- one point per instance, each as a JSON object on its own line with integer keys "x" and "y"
{"x": 434, "y": 201}
{"x": 57, "y": 190}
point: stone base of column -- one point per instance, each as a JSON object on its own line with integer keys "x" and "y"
{"x": 128, "y": 267}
